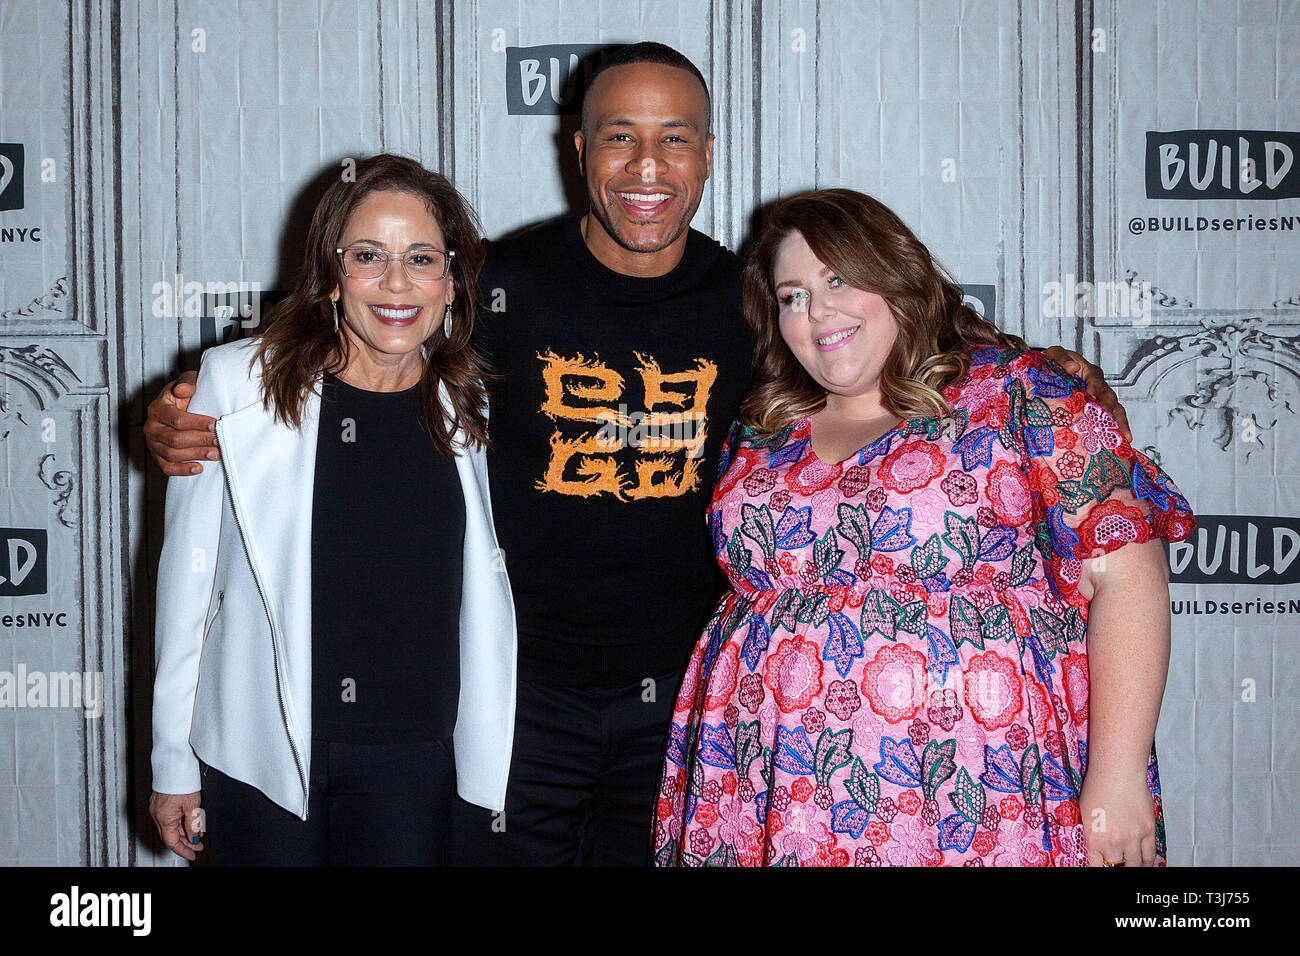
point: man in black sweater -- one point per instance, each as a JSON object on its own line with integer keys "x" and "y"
{"x": 623, "y": 355}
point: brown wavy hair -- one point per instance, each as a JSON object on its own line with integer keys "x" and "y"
{"x": 298, "y": 340}
{"x": 861, "y": 240}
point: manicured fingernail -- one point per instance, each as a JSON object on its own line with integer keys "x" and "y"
{"x": 213, "y": 455}
{"x": 194, "y": 840}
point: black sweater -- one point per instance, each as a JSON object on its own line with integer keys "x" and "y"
{"x": 388, "y": 530}
{"x": 599, "y": 506}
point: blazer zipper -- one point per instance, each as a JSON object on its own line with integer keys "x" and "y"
{"x": 275, "y": 654}
{"x": 221, "y": 599}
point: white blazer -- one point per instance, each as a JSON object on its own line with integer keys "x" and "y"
{"x": 232, "y": 648}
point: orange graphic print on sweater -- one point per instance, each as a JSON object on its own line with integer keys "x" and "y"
{"x": 601, "y": 446}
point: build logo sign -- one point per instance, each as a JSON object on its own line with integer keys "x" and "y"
{"x": 632, "y": 440}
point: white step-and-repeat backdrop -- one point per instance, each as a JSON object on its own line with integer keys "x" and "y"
{"x": 1119, "y": 176}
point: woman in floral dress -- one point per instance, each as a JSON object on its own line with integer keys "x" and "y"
{"x": 936, "y": 649}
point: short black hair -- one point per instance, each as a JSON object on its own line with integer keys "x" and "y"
{"x": 651, "y": 52}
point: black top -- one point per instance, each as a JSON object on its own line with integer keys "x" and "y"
{"x": 388, "y": 525}
{"x": 599, "y": 506}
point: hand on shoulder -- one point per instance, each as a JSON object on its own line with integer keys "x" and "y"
{"x": 179, "y": 439}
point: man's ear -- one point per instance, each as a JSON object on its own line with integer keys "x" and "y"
{"x": 580, "y": 144}
{"x": 708, "y": 156}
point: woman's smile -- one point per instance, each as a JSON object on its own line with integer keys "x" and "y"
{"x": 396, "y": 315}
{"x": 836, "y": 339}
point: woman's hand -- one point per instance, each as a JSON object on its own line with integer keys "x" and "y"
{"x": 1119, "y": 819}
{"x": 178, "y": 818}
{"x": 175, "y": 437}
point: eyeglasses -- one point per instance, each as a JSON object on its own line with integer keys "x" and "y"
{"x": 371, "y": 262}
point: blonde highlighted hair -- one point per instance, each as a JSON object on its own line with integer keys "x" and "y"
{"x": 865, "y": 244}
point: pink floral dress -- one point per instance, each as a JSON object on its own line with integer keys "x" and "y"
{"x": 899, "y": 674}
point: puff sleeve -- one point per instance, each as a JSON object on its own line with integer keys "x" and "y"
{"x": 1092, "y": 491}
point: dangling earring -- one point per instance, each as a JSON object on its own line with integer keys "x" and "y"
{"x": 446, "y": 322}
{"x": 334, "y": 307}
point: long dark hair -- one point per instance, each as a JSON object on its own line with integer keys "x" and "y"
{"x": 298, "y": 340}
{"x": 870, "y": 248}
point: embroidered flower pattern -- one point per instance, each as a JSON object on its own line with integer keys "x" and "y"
{"x": 795, "y": 675}
{"x": 1097, "y": 430}
{"x": 912, "y": 466}
{"x": 898, "y": 675}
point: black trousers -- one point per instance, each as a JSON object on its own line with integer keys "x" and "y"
{"x": 367, "y": 805}
{"x": 584, "y": 776}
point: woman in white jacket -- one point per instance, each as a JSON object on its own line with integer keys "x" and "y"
{"x": 334, "y": 620}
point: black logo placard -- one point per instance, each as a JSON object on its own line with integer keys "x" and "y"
{"x": 1238, "y": 549}
{"x": 227, "y": 314}
{"x": 23, "y": 562}
{"x": 985, "y": 298}
{"x": 11, "y": 176}
{"x": 1222, "y": 164}
{"x": 549, "y": 79}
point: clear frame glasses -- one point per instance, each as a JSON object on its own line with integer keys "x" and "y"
{"x": 371, "y": 262}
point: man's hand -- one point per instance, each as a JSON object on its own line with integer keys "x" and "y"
{"x": 179, "y": 821}
{"x": 1094, "y": 379}
{"x": 175, "y": 437}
